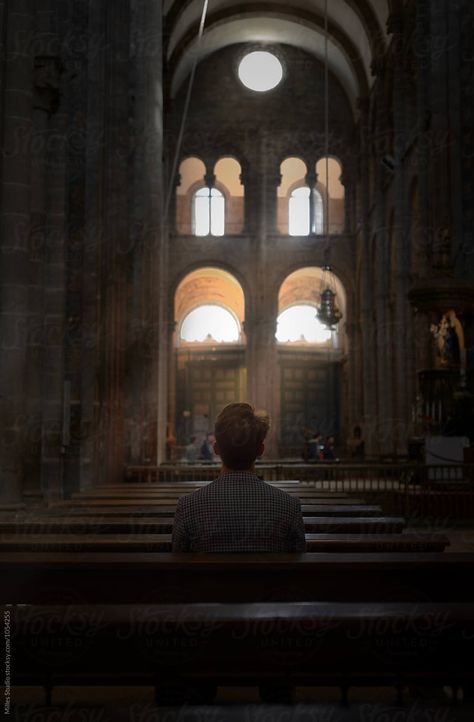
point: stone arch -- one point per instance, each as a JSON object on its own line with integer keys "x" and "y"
{"x": 208, "y": 284}
{"x": 303, "y": 287}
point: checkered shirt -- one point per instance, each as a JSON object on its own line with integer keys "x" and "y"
{"x": 238, "y": 512}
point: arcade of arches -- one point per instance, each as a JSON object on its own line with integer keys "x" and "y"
{"x": 161, "y": 257}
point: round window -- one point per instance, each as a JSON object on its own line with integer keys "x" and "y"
{"x": 260, "y": 71}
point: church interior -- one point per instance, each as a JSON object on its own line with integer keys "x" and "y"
{"x": 206, "y": 202}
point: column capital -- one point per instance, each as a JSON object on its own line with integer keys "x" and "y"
{"x": 209, "y": 179}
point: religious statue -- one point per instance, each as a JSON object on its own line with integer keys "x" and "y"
{"x": 449, "y": 336}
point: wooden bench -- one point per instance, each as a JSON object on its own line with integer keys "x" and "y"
{"x": 105, "y": 578}
{"x": 172, "y": 646}
{"x": 145, "y": 502}
{"x": 160, "y": 525}
{"x": 162, "y": 542}
{"x": 165, "y": 510}
{"x": 172, "y": 498}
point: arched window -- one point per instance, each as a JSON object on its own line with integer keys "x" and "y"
{"x": 299, "y": 212}
{"x": 208, "y": 212}
{"x": 329, "y": 174}
{"x": 210, "y": 323}
{"x": 299, "y": 323}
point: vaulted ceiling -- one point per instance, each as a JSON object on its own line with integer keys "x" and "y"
{"x": 357, "y": 31}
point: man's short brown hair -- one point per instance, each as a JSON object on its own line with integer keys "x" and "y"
{"x": 239, "y": 434}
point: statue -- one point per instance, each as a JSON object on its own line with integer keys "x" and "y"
{"x": 449, "y": 336}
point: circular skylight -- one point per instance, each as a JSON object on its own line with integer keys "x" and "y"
{"x": 260, "y": 71}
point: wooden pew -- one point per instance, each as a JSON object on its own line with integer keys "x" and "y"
{"x": 306, "y": 644}
{"x": 348, "y": 543}
{"x": 160, "y": 525}
{"x": 107, "y": 578}
{"x": 165, "y": 510}
{"x": 309, "y": 496}
{"x": 155, "y": 503}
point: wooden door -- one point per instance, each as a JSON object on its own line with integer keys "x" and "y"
{"x": 309, "y": 398}
{"x": 208, "y": 387}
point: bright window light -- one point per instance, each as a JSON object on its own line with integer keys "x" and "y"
{"x": 260, "y": 71}
{"x": 209, "y": 212}
{"x": 299, "y": 212}
{"x": 210, "y": 323}
{"x": 300, "y": 323}
{"x": 318, "y": 213}
{"x": 299, "y": 215}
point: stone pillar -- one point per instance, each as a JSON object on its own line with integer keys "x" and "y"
{"x": 116, "y": 251}
{"x": 260, "y": 322}
{"x": 348, "y": 199}
{"x": 262, "y": 372}
{"x": 250, "y": 183}
{"x": 464, "y": 166}
{"x": 353, "y": 404}
{"x": 402, "y": 332}
{"x": 171, "y": 223}
{"x": 48, "y": 208}
{"x": 17, "y": 20}
{"x": 148, "y": 358}
{"x": 368, "y": 350}
{"x": 171, "y": 414}
{"x": 440, "y": 132}
{"x": 311, "y": 179}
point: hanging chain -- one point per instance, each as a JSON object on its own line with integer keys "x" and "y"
{"x": 186, "y": 109}
{"x": 326, "y": 126}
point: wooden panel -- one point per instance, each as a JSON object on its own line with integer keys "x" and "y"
{"x": 309, "y": 398}
{"x": 209, "y": 386}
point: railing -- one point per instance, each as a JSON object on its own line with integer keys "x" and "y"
{"x": 325, "y": 475}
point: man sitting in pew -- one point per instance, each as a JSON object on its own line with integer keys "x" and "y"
{"x": 238, "y": 512}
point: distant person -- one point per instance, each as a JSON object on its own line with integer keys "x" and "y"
{"x": 191, "y": 452}
{"x": 238, "y": 512}
{"x": 327, "y": 452}
{"x": 206, "y": 452}
{"x": 315, "y": 446}
{"x": 356, "y": 444}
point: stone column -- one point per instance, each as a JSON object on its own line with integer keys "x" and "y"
{"x": 48, "y": 209}
{"x": 402, "y": 333}
{"x": 171, "y": 414}
{"x": 262, "y": 372}
{"x": 260, "y": 319}
{"x": 464, "y": 166}
{"x": 348, "y": 185}
{"x": 368, "y": 370}
{"x": 148, "y": 358}
{"x": 353, "y": 403}
{"x": 17, "y": 20}
{"x": 311, "y": 179}
{"x": 116, "y": 251}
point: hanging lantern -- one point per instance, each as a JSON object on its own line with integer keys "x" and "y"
{"x": 328, "y": 313}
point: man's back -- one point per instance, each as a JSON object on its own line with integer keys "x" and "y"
{"x": 238, "y": 512}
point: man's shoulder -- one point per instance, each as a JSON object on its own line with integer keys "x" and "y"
{"x": 197, "y": 495}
